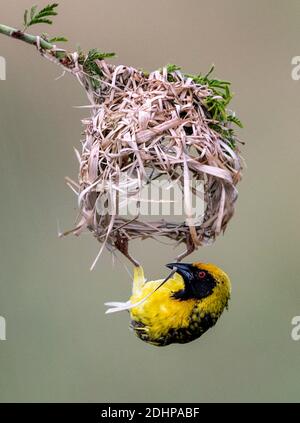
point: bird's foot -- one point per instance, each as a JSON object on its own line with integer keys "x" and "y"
{"x": 121, "y": 244}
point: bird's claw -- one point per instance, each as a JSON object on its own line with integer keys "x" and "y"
{"x": 121, "y": 244}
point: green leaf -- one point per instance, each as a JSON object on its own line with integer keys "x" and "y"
{"x": 25, "y": 17}
{"x": 49, "y": 10}
{"x": 32, "y": 11}
{"x": 210, "y": 71}
{"x": 172, "y": 68}
{"x": 46, "y": 13}
{"x": 90, "y": 66}
{"x": 95, "y": 54}
{"x": 40, "y": 20}
{"x": 58, "y": 40}
{"x": 216, "y": 104}
{"x": 235, "y": 120}
{"x": 43, "y": 16}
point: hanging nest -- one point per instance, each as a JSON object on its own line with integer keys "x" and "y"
{"x": 145, "y": 126}
{"x": 165, "y": 124}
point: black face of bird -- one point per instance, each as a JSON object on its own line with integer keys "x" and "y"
{"x": 198, "y": 283}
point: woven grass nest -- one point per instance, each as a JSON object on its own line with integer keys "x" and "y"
{"x": 164, "y": 123}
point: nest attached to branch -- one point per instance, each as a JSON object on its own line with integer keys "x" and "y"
{"x": 147, "y": 126}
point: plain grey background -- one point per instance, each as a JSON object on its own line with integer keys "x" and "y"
{"x": 60, "y": 346}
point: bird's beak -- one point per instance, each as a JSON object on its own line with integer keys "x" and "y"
{"x": 184, "y": 269}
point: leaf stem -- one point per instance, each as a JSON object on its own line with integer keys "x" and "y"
{"x": 23, "y": 36}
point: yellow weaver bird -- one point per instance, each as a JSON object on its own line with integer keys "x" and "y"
{"x": 180, "y": 308}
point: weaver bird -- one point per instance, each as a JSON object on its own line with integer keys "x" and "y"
{"x": 180, "y": 308}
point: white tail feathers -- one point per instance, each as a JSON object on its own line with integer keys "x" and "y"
{"x": 138, "y": 283}
{"x": 117, "y": 306}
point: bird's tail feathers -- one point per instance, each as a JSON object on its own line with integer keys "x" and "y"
{"x": 138, "y": 279}
{"x": 119, "y": 306}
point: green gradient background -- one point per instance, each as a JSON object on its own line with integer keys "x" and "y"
{"x": 61, "y": 346}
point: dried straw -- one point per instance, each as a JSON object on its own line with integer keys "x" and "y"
{"x": 147, "y": 126}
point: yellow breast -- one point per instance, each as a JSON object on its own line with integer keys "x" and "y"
{"x": 160, "y": 311}
{"x": 160, "y": 315}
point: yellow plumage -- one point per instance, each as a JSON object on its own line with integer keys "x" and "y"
{"x": 179, "y": 310}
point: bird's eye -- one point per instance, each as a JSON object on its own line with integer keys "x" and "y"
{"x": 202, "y": 274}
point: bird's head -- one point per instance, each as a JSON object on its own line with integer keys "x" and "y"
{"x": 200, "y": 280}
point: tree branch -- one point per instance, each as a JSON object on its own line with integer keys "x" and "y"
{"x": 48, "y": 50}
{"x": 82, "y": 66}
{"x": 27, "y": 38}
